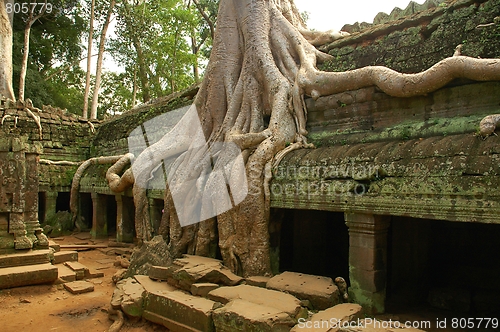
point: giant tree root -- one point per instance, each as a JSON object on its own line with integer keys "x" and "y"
{"x": 488, "y": 125}
{"x": 75, "y": 184}
{"x": 261, "y": 66}
{"x": 118, "y": 319}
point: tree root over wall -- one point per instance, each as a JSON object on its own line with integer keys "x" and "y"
{"x": 261, "y": 66}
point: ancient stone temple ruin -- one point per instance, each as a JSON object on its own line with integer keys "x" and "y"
{"x": 399, "y": 197}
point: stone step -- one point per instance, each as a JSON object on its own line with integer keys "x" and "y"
{"x": 65, "y": 273}
{"x": 27, "y": 275}
{"x": 30, "y": 257}
{"x": 65, "y": 256}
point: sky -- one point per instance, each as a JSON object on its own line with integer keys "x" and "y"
{"x": 334, "y": 14}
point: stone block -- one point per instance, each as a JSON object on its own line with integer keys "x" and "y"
{"x": 257, "y": 281}
{"x": 161, "y": 272}
{"x": 266, "y": 297}
{"x": 27, "y": 275}
{"x": 79, "y": 287}
{"x": 30, "y": 257}
{"x": 79, "y": 268}
{"x": 65, "y": 273}
{"x": 320, "y": 291}
{"x": 202, "y": 289}
{"x": 132, "y": 302}
{"x": 241, "y": 315}
{"x": 65, "y": 256}
{"x": 154, "y": 286}
{"x": 179, "y": 311}
{"x": 197, "y": 269}
{"x": 331, "y": 318}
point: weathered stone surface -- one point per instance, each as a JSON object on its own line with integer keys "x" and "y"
{"x": 330, "y": 319}
{"x": 151, "y": 253}
{"x": 54, "y": 246}
{"x": 197, "y": 269}
{"x": 260, "y": 296}
{"x": 162, "y": 272}
{"x": 202, "y": 289}
{"x": 79, "y": 287}
{"x": 133, "y": 294}
{"x": 65, "y": 273}
{"x": 65, "y": 256}
{"x": 27, "y": 275}
{"x": 30, "y": 257}
{"x": 320, "y": 291}
{"x": 258, "y": 281}
{"x": 79, "y": 268}
{"x": 241, "y": 315}
{"x": 179, "y": 311}
{"x": 153, "y": 286}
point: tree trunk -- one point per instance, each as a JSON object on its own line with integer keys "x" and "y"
{"x": 261, "y": 65}
{"x": 100, "y": 56}
{"x": 6, "y": 53}
{"x": 89, "y": 62}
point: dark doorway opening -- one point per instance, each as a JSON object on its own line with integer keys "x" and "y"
{"x": 315, "y": 242}
{"x": 111, "y": 214}
{"x": 86, "y": 210}
{"x": 62, "y": 201}
{"x": 443, "y": 265}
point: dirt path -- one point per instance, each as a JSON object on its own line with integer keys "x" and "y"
{"x": 52, "y": 308}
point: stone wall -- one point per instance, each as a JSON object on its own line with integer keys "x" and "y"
{"x": 412, "y": 43}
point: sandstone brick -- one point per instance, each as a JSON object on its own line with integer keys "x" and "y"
{"x": 258, "y": 281}
{"x": 65, "y": 256}
{"x": 78, "y": 268}
{"x": 241, "y": 315}
{"x": 202, "y": 289}
{"x": 65, "y": 273}
{"x": 27, "y": 275}
{"x": 179, "y": 311}
{"x": 320, "y": 291}
{"x": 79, "y": 287}
{"x": 260, "y": 296}
{"x": 25, "y": 258}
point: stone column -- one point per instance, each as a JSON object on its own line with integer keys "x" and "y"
{"x": 99, "y": 216}
{"x": 368, "y": 260}
{"x": 124, "y": 221}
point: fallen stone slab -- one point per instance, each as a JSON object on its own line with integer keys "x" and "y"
{"x": 54, "y": 246}
{"x": 163, "y": 273}
{"x": 265, "y": 297}
{"x": 202, "y": 289}
{"x": 30, "y": 257}
{"x": 197, "y": 269}
{"x": 241, "y": 315}
{"x": 179, "y": 311}
{"x": 320, "y": 291}
{"x": 79, "y": 287}
{"x": 65, "y": 256}
{"x": 132, "y": 303}
{"x": 331, "y": 319}
{"x": 65, "y": 273}
{"x": 154, "y": 286}
{"x": 258, "y": 281}
{"x": 79, "y": 268}
{"x": 27, "y": 275}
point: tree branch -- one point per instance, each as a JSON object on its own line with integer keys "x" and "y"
{"x": 206, "y": 17}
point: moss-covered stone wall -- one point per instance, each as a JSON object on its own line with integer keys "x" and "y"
{"x": 415, "y": 42}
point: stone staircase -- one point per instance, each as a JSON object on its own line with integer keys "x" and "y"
{"x": 34, "y": 267}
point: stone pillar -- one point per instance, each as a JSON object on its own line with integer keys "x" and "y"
{"x": 99, "y": 216}
{"x": 368, "y": 260}
{"x": 124, "y": 221}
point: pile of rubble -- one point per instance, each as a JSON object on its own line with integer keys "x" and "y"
{"x": 200, "y": 294}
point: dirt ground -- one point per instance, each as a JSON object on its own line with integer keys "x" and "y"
{"x": 52, "y": 308}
